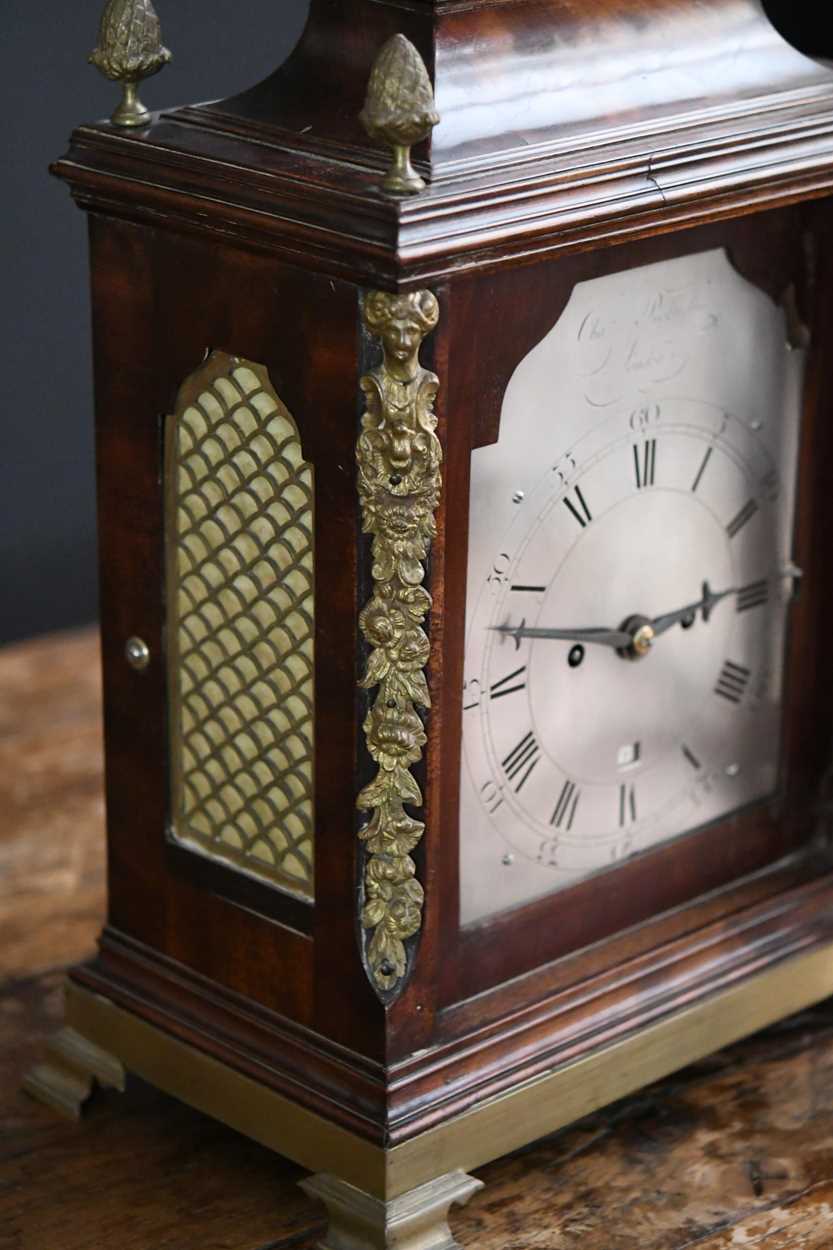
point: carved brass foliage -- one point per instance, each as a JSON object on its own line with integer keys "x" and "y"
{"x": 130, "y": 49}
{"x": 399, "y": 458}
{"x": 399, "y": 110}
{"x": 241, "y": 625}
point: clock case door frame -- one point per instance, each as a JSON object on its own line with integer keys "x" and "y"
{"x": 764, "y": 852}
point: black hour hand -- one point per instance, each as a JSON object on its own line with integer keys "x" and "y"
{"x": 616, "y": 638}
{"x": 705, "y": 604}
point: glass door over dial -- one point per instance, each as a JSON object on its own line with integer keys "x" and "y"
{"x": 630, "y": 573}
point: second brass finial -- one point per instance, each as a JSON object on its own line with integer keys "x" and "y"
{"x": 399, "y": 110}
{"x": 130, "y": 49}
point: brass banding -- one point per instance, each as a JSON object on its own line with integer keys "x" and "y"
{"x": 487, "y": 1130}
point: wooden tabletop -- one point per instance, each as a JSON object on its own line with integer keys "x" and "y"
{"x": 736, "y": 1151}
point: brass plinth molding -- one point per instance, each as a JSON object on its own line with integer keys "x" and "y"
{"x": 399, "y": 110}
{"x": 70, "y": 1071}
{"x": 129, "y": 50}
{"x": 417, "y": 1220}
{"x": 399, "y": 458}
{"x": 241, "y": 625}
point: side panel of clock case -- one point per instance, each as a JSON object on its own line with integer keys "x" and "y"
{"x": 494, "y": 321}
{"x": 161, "y": 302}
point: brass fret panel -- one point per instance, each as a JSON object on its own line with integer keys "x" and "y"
{"x": 241, "y": 625}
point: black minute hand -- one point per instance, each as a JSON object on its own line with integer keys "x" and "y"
{"x": 621, "y": 639}
{"x": 707, "y": 602}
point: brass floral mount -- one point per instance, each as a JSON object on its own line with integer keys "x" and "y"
{"x": 399, "y": 458}
{"x": 129, "y": 49}
{"x": 399, "y": 110}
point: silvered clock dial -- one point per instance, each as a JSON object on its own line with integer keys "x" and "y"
{"x": 629, "y": 580}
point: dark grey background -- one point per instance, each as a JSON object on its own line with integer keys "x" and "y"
{"x": 47, "y": 519}
{"x": 47, "y": 512}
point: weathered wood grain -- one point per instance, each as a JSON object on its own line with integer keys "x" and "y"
{"x": 143, "y": 1172}
{"x": 736, "y": 1148}
{"x": 51, "y": 802}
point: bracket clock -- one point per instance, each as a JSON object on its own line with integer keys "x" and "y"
{"x": 465, "y": 467}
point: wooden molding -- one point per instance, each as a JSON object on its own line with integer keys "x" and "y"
{"x": 287, "y": 167}
{"x": 480, "y": 1056}
{"x": 495, "y": 1122}
{"x": 332, "y": 219}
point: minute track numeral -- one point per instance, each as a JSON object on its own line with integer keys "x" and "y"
{"x": 577, "y": 506}
{"x": 521, "y": 760}
{"x": 702, "y": 468}
{"x": 627, "y": 805}
{"x": 737, "y": 522}
{"x": 732, "y": 682}
{"x": 491, "y": 796}
{"x": 502, "y": 687}
{"x": 565, "y": 809}
{"x": 753, "y": 596}
{"x": 645, "y": 462}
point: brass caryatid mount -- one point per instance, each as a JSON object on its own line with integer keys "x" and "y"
{"x": 399, "y": 110}
{"x": 129, "y": 49}
{"x": 399, "y": 459}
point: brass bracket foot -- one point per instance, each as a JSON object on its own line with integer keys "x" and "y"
{"x": 417, "y": 1220}
{"x": 69, "y": 1073}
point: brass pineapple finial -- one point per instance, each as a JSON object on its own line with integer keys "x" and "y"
{"x": 399, "y": 110}
{"x": 129, "y": 49}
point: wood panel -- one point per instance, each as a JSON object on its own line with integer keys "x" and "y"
{"x": 160, "y": 302}
{"x": 481, "y": 55}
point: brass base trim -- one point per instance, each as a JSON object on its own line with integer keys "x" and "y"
{"x": 558, "y": 1098}
{"x": 225, "y": 1094}
{"x": 72, "y": 1067}
{"x": 417, "y": 1220}
{"x": 488, "y": 1130}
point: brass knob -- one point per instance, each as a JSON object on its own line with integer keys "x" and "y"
{"x": 137, "y": 653}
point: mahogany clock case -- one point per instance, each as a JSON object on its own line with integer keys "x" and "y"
{"x": 274, "y": 986}
{"x": 235, "y": 227}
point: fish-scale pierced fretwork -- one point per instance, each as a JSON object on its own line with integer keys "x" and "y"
{"x": 241, "y": 615}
